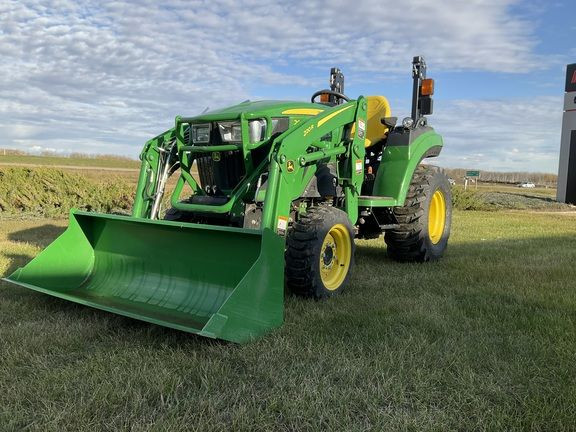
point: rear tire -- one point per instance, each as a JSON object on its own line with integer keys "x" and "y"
{"x": 424, "y": 220}
{"x": 320, "y": 253}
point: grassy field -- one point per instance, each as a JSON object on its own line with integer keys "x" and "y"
{"x": 66, "y": 161}
{"x": 484, "y": 339}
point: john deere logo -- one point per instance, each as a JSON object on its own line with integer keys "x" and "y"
{"x": 290, "y": 166}
{"x": 216, "y": 156}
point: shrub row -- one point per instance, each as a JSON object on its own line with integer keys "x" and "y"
{"x": 52, "y": 192}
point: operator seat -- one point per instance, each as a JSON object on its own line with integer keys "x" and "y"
{"x": 378, "y": 108}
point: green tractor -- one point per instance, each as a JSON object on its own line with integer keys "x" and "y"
{"x": 269, "y": 194}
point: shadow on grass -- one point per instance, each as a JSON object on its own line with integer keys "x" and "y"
{"x": 512, "y": 201}
{"x": 40, "y": 236}
{"x": 540, "y": 198}
{"x": 16, "y": 261}
{"x": 374, "y": 258}
{"x": 122, "y": 329}
{"x": 109, "y": 325}
{"x": 527, "y": 196}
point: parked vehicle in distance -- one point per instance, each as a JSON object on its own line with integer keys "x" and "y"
{"x": 527, "y": 185}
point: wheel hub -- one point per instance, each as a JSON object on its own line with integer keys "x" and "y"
{"x": 436, "y": 216}
{"x": 335, "y": 257}
{"x": 328, "y": 255}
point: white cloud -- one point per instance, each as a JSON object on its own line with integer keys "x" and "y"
{"x": 105, "y": 76}
{"x": 500, "y": 135}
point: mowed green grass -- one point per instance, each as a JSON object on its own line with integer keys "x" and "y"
{"x": 484, "y": 339}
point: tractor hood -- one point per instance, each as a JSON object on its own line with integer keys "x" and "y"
{"x": 270, "y": 108}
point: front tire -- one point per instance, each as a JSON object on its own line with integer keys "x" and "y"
{"x": 320, "y": 253}
{"x": 424, "y": 220}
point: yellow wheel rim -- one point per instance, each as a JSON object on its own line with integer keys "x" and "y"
{"x": 335, "y": 257}
{"x": 436, "y": 216}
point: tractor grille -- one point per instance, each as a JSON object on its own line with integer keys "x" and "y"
{"x": 225, "y": 173}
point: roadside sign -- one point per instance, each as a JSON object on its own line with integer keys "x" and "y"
{"x": 567, "y": 167}
{"x": 470, "y": 174}
{"x": 571, "y": 78}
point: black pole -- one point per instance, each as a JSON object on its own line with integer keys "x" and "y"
{"x": 336, "y": 84}
{"x": 418, "y": 74}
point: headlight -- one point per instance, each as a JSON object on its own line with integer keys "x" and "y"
{"x": 201, "y": 133}
{"x": 230, "y": 131}
{"x": 257, "y": 129}
{"x": 408, "y": 122}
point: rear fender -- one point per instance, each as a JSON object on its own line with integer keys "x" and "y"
{"x": 399, "y": 161}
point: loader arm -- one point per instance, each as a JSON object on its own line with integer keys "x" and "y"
{"x": 150, "y": 172}
{"x": 296, "y": 153}
{"x": 291, "y": 163}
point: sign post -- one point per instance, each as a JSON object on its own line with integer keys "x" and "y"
{"x": 567, "y": 166}
{"x": 469, "y": 175}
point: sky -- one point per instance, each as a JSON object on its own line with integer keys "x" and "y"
{"x": 103, "y": 77}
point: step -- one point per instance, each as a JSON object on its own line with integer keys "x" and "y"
{"x": 376, "y": 201}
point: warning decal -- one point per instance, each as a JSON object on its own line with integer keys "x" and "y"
{"x": 359, "y": 166}
{"x": 282, "y": 225}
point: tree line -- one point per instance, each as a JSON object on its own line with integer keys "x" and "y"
{"x": 516, "y": 177}
{"x": 74, "y": 155}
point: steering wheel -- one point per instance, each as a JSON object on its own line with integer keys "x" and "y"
{"x": 330, "y": 92}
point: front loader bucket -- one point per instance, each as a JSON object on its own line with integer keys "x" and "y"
{"x": 218, "y": 282}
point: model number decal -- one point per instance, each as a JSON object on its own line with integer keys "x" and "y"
{"x": 308, "y": 130}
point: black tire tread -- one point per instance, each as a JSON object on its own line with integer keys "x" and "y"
{"x": 301, "y": 266}
{"x": 407, "y": 243}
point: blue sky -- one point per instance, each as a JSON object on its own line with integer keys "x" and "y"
{"x": 102, "y": 77}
